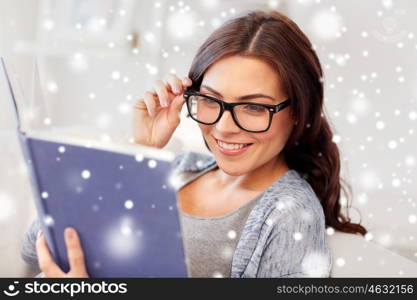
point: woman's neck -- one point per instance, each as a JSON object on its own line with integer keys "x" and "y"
{"x": 256, "y": 180}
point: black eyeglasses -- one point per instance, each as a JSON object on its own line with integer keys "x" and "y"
{"x": 249, "y": 116}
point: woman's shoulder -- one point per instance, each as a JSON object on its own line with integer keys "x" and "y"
{"x": 291, "y": 197}
{"x": 295, "y": 184}
{"x": 190, "y": 161}
{"x": 289, "y": 206}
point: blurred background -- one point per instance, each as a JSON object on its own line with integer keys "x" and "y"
{"x": 96, "y": 57}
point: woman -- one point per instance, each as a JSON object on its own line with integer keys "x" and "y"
{"x": 259, "y": 206}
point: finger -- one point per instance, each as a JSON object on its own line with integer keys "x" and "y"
{"x": 46, "y": 262}
{"x": 186, "y": 81}
{"x": 140, "y": 104}
{"x": 149, "y": 99}
{"x": 174, "y": 115}
{"x": 75, "y": 252}
{"x": 175, "y": 83}
{"x": 161, "y": 91}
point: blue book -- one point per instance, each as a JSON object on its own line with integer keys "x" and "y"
{"x": 120, "y": 198}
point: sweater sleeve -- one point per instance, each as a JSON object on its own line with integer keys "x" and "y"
{"x": 28, "y": 250}
{"x": 296, "y": 245}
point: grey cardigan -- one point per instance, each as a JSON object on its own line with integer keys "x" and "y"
{"x": 284, "y": 234}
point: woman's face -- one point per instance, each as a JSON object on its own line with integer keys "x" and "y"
{"x": 229, "y": 79}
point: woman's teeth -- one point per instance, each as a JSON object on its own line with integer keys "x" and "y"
{"x": 231, "y": 146}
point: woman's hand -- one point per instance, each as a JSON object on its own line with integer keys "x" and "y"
{"x": 75, "y": 257}
{"x": 157, "y": 115}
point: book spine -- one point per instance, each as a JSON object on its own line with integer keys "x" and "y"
{"x": 37, "y": 193}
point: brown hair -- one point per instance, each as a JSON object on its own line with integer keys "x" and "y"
{"x": 310, "y": 150}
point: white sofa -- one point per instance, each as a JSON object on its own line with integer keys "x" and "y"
{"x": 354, "y": 256}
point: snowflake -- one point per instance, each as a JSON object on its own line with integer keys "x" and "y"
{"x": 231, "y": 234}
{"x": 85, "y": 174}
{"x": 340, "y": 262}
{"x": 315, "y": 264}
{"x": 61, "y": 149}
{"x": 396, "y": 182}
{"x": 129, "y": 204}
{"x": 181, "y": 25}
{"x": 217, "y": 275}
{"x": 95, "y": 208}
{"x": 48, "y": 24}
{"x": 410, "y": 160}
{"x": 199, "y": 163}
{"x": 369, "y": 236}
{"x": 115, "y": 75}
{"x": 227, "y": 252}
{"x": 175, "y": 181}
{"x": 149, "y": 37}
{"x": 52, "y": 87}
{"x": 48, "y": 220}
{"x": 392, "y": 144}
{"x": 380, "y": 125}
{"x": 121, "y": 243}
{"x": 139, "y": 157}
{"x": 78, "y": 62}
{"x": 336, "y": 139}
{"x": 330, "y": 230}
{"x": 47, "y": 121}
{"x": 326, "y": 25}
{"x": 152, "y": 163}
{"x": 269, "y": 222}
{"x": 124, "y": 108}
{"x": 297, "y": 236}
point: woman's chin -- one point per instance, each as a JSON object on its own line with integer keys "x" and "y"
{"x": 232, "y": 169}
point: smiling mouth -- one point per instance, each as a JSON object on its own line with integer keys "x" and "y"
{"x": 231, "y": 146}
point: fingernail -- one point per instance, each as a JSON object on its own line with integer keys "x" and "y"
{"x": 39, "y": 234}
{"x": 70, "y": 233}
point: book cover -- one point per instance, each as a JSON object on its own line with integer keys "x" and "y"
{"x": 119, "y": 197}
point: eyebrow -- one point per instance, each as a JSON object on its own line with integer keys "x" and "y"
{"x": 245, "y": 97}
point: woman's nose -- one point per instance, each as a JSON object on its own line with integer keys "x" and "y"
{"x": 226, "y": 123}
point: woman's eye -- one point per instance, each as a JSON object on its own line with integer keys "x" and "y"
{"x": 254, "y": 108}
{"x": 206, "y": 100}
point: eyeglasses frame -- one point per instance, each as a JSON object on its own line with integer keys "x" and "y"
{"x": 272, "y": 109}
